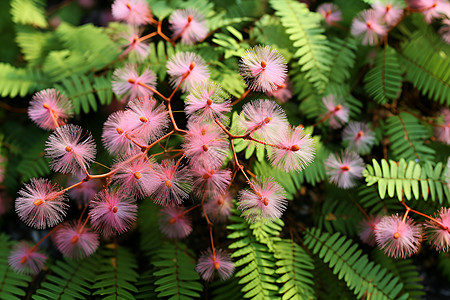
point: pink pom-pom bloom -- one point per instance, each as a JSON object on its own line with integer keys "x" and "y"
{"x": 263, "y": 68}
{"x": 218, "y": 260}
{"x": 76, "y": 241}
{"x": 136, "y": 12}
{"x": 359, "y": 137}
{"x": 68, "y": 152}
{"x": 433, "y": 9}
{"x": 189, "y": 24}
{"x": 129, "y": 84}
{"x": 283, "y": 93}
{"x": 336, "y": 112}
{"x": 294, "y": 152}
{"x": 41, "y": 204}
{"x": 330, "y": 12}
{"x": 344, "y": 169}
{"x": 210, "y": 182}
{"x": 439, "y": 234}
{"x": 137, "y": 49}
{"x": 49, "y": 109}
{"x": 398, "y": 238}
{"x": 174, "y": 223}
{"x": 265, "y": 201}
{"x": 135, "y": 175}
{"x": 443, "y": 131}
{"x": 444, "y": 31}
{"x": 83, "y": 193}
{"x": 188, "y": 69}
{"x": 265, "y": 119}
{"x": 173, "y": 183}
{"x": 25, "y": 260}
{"x": 207, "y": 101}
{"x": 112, "y": 212}
{"x": 205, "y": 145}
{"x": 116, "y": 133}
{"x": 367, "y": 230}
{"x": 367, "y": 25}
{"x": 219, "y": 209}
{"x": 391, "y": 11}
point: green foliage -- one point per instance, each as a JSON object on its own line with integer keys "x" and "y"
{"x": 29, "y": 12}
{"x": 362, "y": 276}
{"x": 312, "y": 48}
{"x": 226, "y": 290}
{"x": 384, "y": 81}
{"x": 403, "y": 178}
{"x": 159, "y": 54}
{"x": 343, "y": 59}
{"x": 373, "y": 204}
{"x": 12, "y": 285}
{"x": 444, "y": 265}
{"x": 20, "y": 81}
{"x": 35, "y": 44}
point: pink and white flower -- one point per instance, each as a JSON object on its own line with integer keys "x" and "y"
{"x": 189, "y": 24}
{"x": 444, "y": 31}
{"x": 389, "y": 10}
{"x": 116, "y": 133}
{"x": 127, "y": 83}
{"x": 359, "y": 137}
{"x": 330, "y": 12}
{"x": 344, "y": 169}
{"x": 367, "y": 230}
{"x": 24, "y": 259}
{"x": 174, "y": 223}
{"x": 219, "y": 261}
{"x": 210, "y": 183}
{"x": 439, "y": 234}
{"x": 443, "y": 130}
{"x": 368, "y": 26}
{"x": 76, "y": 241}
{"x": 219, "y": 209}
{"x": 135, "y": 47}
{"x": 187, "y": 69}
{"x": 136, "y": 12}
{"x": 283, "y": 92}
{"x": 337, "y": 111}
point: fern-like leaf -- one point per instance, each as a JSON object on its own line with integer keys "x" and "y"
{"x": 157, "y": 59}
{"x": 226, "y": 290}
{"x": 343, "y": 59}
{"x": 18, "y": 81}
{"x": 29, "y": 12}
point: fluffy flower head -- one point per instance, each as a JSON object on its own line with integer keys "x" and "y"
{"x": 116, "y": 131}
{"x": 391, "y": 11}
{"x": 174, "y": 223}
{"x": 337, "y": 111}
{"x": 137, "y": 49}
{"x": 49, "y": 109}
{"x": 25, "y": 260}
{"x": 189, "y": 24}
{"x": 439, "y": 235}
{"x": 367, "y": 230}
{"x": 219, "y": 261}
{"x": 330, "y": 12}
{"x": 368, "y": 27}
{"x": 443, "y": 131}
{"x": 129, "y": 84}
{"x": 359, "y": 137}
{"x": 219, "y": 209}
{"x": 344, "y": 169}
{"x": 75, "y": 241}
{"x": 136, "y": 12}
{"x": 188, "y": 69}
{"x": 283, "y": 93}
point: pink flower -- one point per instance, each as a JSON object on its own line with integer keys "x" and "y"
{"x": 443, "y": 131}
{"x": 49, "y": 109}
{"x": 137, "y": 48}
{"x": 359, "y": 137}
{"x": 84, "y": 192}
{"x": 41, "y": 204}
{"x": 189, "y": 24}
{"x": 265, "y": 119}
{"x": 207, "y": 101}
{"x": 68, "y": 152}
{"x": 172, "y": 185}
{"x": 116, "y": 133}
{"x": 188, "y": 69}
{"x": 219, "y": 261}
{"x": 330, "y": 12}
{"x": 135, "y": 175}
{"x": 367, "y": 25}
{"x": 398, "y": 238}
{"x": 151, "y": 119}
{"x": 129, "y": 84}
{"x": 219, "y": 209}
{"x": 76, "y": 241}
{"x": 283, "y": 92}
{"x": 136, "y": 12}
{"x": 337, "y": 113}
{"x": 263, "y": 68}
{"x": 265, "y": 200}
{"x": 112, "y": 212}
{"x": 174, "y": 223}
{"x": 439, "y": 234}
{"x": 344, "y": 169}
{"x": 367, "y": 230}
{"x": 444, "y": 31}
{"x": 294, "y": 152}
{"x": 210, "y": 182}
{"x": 25, "y": 260}
{"x": 391, "y": 11}
{"x": 205, "y": 145}
{"x": 433, "y": 9}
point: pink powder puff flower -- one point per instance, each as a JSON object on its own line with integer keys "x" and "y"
{"x": 207, "y": 101}
{"x": 219, "y": 261}
{"x": 219, "y": 209}
{"x": 136, "y": 12}
{"x": 398, "y": 238}
{"x": 283, "y": 92}
{"x": 116, "y": 133}
{"x": 210, "y": 182}
{"x": 367, "y": 25}
{"x": 135, "y": 175}
{"x": 173, "y": 183}
{"x": 151, "y": 119}
{"x": 68, "y": 152}
{"x": 25, "y": 260}
{"x": 344, "y": 169}
{"x": 443, "y": 131}
{"x": 135, "y": 47}
{"x": 263, "y": 68}
{"x": 128, "y": 83}
{"x": 205, "y": 145}
{"x": 330, "y": 12}
{"x": 265, "y": 201}
{"x": 367, "y": 230}
{"x": 439, "y": 234}
{"x": 174, "y": 223}
{"x": 433, "y": 9}
{"x": 337, "y": 113}
{"x": 294, "y": 152}
{"x": 41, "y": 204}
{"x": 83, "y": 192}
{"x": 189, "y": 24}
{"x": 359, "y": 137}
{"x": 188, "y": 68}
{"x": 50, "y": 109}
{"x": 76, "y": 241}
{"x": 112, "y": 212}
{"x": 389, "y": 10}
{"x": 265, "y": 119}
{"x": 444, "y": 31}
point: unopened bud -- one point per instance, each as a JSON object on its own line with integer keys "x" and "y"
{"x": 192, "y": 66}
{"x": 338, "y": 107}
{"x": 206, "y": 176}
{"x": 172, "y": 220}
{"x": 267, "y": 120}
{"x": 209, "y": 102}
{"x": 190, "y": 18}
{"x": 75, "y": 239}
{"x": 263, "y": 64}
{"x": 396, "y": 235}
{"x": 46, "y": 105}
{"x": 295, "y": 148}
{"x": 345, "y": 168}
{"x": 168, "y": 183}
{"x": 23, "y": 260}
{"x": 131, "y": 80}
{"x": 38, "y": 202}
{"x": 266, "y": 201}
{"x": 143, "y": 119}
{"x": 205, "y": 148}
{"x": 137, "y": 175}
{"x": 216, "y": 265}
{"x": 115, "y": 209}
{"x": 68, "y": 148}
{"x": 119, "y": 130}
{"x": 359, "y": 134}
